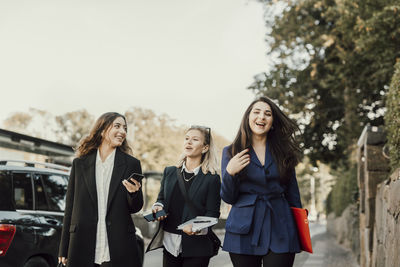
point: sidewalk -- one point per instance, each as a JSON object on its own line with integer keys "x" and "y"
{"x": 327, "y": 252}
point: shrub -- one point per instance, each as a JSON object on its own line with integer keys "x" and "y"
{"x": 344, "y": 192}
{"x": 392, "y": 118}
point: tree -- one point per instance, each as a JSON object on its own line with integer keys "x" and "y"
{"x": 333, "y": 63}
{"x": 72, "y": 126}
{"x": 67, "y": 128}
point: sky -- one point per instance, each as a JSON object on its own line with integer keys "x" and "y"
{"x": 189, "y": 59}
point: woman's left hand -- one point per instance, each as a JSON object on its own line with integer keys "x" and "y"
{"x": 132, "y": 188}
{"x": 187, "y": 229}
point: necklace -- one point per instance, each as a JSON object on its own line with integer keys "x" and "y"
{"x": 187, "y": 179}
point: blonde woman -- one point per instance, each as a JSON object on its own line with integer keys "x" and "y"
{"x": 197, "y": 169}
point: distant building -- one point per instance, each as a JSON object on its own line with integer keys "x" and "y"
{"x": 18, "y": 146}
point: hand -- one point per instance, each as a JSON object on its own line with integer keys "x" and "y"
{"x": 132, "y": 188}
{"x": 238, "y": 162}
{"x": 63, "y": 260}
{"x": 187, "y": 229}
{"x": 158, "y": 208}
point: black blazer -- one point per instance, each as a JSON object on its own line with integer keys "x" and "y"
{"x": 78, "y": 238}
{"x": 205, "y": 195}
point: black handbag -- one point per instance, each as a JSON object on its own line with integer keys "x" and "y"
{"x": 211, "y": 235}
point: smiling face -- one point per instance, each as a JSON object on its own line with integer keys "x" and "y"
{"x": 193, "y": 145}
{"x": 260, "y": 118}
{"x": 116, "y": 133}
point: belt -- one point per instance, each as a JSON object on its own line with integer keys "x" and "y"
{"x": 263, "y": 202}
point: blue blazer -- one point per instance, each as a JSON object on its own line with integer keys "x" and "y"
{"x": 260, "y": 218}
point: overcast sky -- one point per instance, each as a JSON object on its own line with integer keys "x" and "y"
{"x": 189, "y": 59}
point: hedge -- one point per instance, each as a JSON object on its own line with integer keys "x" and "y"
{"x": 392, "y": 118}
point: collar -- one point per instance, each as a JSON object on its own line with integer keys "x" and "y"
{"x": 108, "y": 161}
{"x": 195, "y": 171}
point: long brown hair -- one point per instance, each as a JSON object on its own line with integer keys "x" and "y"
{"x": 281, "y": 138}
{"x": 92, "y": 141}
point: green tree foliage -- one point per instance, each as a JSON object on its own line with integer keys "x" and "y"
{"x": 345, "y": 190}
{"x": 392, "y": 119}
{"x": 332, "y": 67}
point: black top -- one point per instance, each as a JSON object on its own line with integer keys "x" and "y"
{"x": 177, "y": 202}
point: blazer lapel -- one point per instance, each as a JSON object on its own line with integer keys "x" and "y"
{"x": 254, "y": 158}
{"x": 268, "y": 157}
{"x": 196, "y": 184}
{"x": 169, "y": 187}
{"x": 117, "y": 175}
{"x": 89, "y": 174}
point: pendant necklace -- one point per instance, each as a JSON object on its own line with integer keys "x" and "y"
{"x": 187, "y": 179}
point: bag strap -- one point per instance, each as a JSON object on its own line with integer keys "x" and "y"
{"x": 192, "y": 207}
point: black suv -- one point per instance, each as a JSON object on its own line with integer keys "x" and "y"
{"x": 32, "y": 202}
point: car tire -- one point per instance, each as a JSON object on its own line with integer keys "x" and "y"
{"x": 36, "y": 262}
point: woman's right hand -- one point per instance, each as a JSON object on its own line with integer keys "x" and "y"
{"x": 238, "y": 162}
{"x": 63, "y": 260}
{"x": 158, "y": 208}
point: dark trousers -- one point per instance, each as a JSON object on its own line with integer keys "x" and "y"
{"x": 104, "y": 264}
{"x": 270, "y": 260}
{"x": 170, "y": 260}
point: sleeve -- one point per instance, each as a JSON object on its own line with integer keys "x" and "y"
{"x": 135, "y": 200}
{"x": 69, "y": 204}
{"x": 213, "y": 197}
{"x": 230, "y": 184}
{"x": 160, "y": 197}
{"x": 292, "y": 192}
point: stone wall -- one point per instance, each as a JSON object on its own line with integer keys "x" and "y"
{"x": 386, "y": 240}
{"x": 346, "y": 229}
{"x": 379, "y": 202}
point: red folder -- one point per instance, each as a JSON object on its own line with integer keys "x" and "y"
{"x": 300, "y": 217}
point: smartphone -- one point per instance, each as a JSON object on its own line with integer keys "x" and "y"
{"x": 149, "y": 217}
{"x": 137, "y": 176}
{"x": 154, "y": 216}
{"x": 160, "y": 213}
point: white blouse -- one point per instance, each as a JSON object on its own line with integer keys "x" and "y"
{"x": 103, "y": 178}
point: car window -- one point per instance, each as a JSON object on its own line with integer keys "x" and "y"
{"x": 40, "y": 195}
{"x": 22, "y": 191}
{"x": 5, "y": 191}
{"x": 56, "y": 188}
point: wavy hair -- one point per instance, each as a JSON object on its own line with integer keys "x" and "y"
{"x": 93, "y": 140}
{"x": 281, "y": 138}
{"x": 209, "y": 160}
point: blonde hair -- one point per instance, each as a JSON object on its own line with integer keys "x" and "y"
{"x": 209, "y": 160}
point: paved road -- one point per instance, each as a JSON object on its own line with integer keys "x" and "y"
{"x": 327, "y": 253}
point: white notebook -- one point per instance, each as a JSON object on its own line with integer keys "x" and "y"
{"x": 199, "y": 223}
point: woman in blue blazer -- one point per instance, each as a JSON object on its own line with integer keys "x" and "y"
{"x": 259, "y": 181}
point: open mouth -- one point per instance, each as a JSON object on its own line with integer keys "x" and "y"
{"x": 260, "y": 124}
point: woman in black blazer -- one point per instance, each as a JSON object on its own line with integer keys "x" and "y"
{"x": 98, "y": 229}
{"x": 197, "y": 168}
